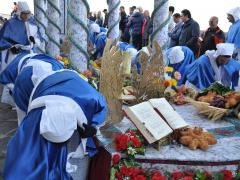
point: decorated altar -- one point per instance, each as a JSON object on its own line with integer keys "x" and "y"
{"x": 174, "y": 157}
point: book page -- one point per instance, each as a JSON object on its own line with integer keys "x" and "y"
{"x": 171, "y": 116}
{"x": 151, "y": 120}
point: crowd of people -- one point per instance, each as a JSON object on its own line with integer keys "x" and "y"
{"x": 136, "y": 28}
{"x": 187, "y": 43}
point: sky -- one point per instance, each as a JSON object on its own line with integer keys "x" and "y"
{"x": 201, "y": 10}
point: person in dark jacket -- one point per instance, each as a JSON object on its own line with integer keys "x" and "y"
{"x": 91, "y": 17}
{"x": 99, "y": 19}
{"x": 135, "y": 24}
{"x": 124, "y": 20}
{"x": 176, "y": 31}
{"x": 212, "y": 36}
{"x": 105, "y": 23}
{"x": 190, "y": 32}
{"x": 146, "y": 28}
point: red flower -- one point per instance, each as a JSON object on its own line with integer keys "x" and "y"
{"x": 140, "y": 177}
{"x": 208, "y": 175}
{"x": 132, "y": 133}
{"x": 166, "y": 83}
{"x": 188, "y": 174}
{"x": 158, "y": 178}
{"x": 187, "y": 178}
{"x": 177, "y": 175}
{"x": 136, "y": 142}
{"x": 121, "y": 142}
{"x": 227, "y": 174}
{"x": 118, "y": 175}
{"x": 115, "y": 159}
{"x": 124, "y": 171}
{"x": 156, "y": 175}
{"x": 87, "y": 73}
{"x": 59, "y": 58}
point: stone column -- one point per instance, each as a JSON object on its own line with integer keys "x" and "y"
{"x": 161, "y": 20}
{"x": 78, "y": 33}
{"x": 53, "y": 29}
{"x": 40, "y": 8}
{"x": 113, "y": 19}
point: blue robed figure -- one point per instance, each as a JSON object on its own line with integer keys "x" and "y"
{"x": 57, "y": 106}
{"x": 98, "y": 38}
{"x": 28, "y": 69}
{"x": 214, "y": 66}
{"x": 123, "y": 46}
{"x": 233, "y": 35}
{"x": 178, "y": 58}
{"x": 10, "y": 73}
{"x": 18, "y": 34}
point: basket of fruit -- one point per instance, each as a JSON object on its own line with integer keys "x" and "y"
{"x": 217, "y": 101}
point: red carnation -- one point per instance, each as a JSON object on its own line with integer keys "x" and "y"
{"x": 124, "y": 171}
{"x": 187, "y": 178}
{"x": 188, "y": 174}
{"x": 132, "y": 171}
{"x": 227, "y": 174}
{"x": 121, "y": 142}
{"x": 140, "y": 177}
{"x": 115, "y": 159}
{"x": 136, "y": 142}
{"x": 208, "y": 175}
{"x": 177, "y": 175}
{"x": 118, "y": 176}
{"x": 156, "y": 175}
{"x": 132, "y": 133}
{"x": 158, "y": 178}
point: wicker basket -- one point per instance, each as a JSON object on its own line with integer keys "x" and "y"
{"x": 213, "y": 113}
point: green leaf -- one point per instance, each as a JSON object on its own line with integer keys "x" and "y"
{"x": 112, "y": 173}
{"x": 200, "y": 176}
{"x": 218, "y": 176}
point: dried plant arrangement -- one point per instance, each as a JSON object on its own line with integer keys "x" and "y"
{"x": 112, "y": 79}
{"x": 149, "y": 82}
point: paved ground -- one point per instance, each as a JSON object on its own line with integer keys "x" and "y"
{"x": 8, "y": 125}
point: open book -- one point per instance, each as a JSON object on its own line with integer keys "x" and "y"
{"x": 155, "y": 119}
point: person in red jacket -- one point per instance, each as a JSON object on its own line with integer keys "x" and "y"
{"x": 212, "y": 36}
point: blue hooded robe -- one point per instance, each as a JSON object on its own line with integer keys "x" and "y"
{"x": 233, "y": 35}
{"x": 29, "y": 154}
{"x": 201, "y": 73}
{"x": 181, "y": 66}
{"x": 23, "y": 80}
{"x": 14, "y": 32}
{"x": 10, "y": 73}
{"x": 99, "y": 42}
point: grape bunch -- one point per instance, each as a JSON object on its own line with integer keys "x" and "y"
{"x": 218, "y": 101}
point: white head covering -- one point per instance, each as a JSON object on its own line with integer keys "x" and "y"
{"x": 235, "y": 12}
{"x": 224, "y": 49}
{"x": 136, "y": 11}
{"x": 95, "y": 28}
{"x": 145, "y": 49}
{"x": 23, "y": 7}
{"x": 176, "y": 55}
{"x": 133, "y": 52}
